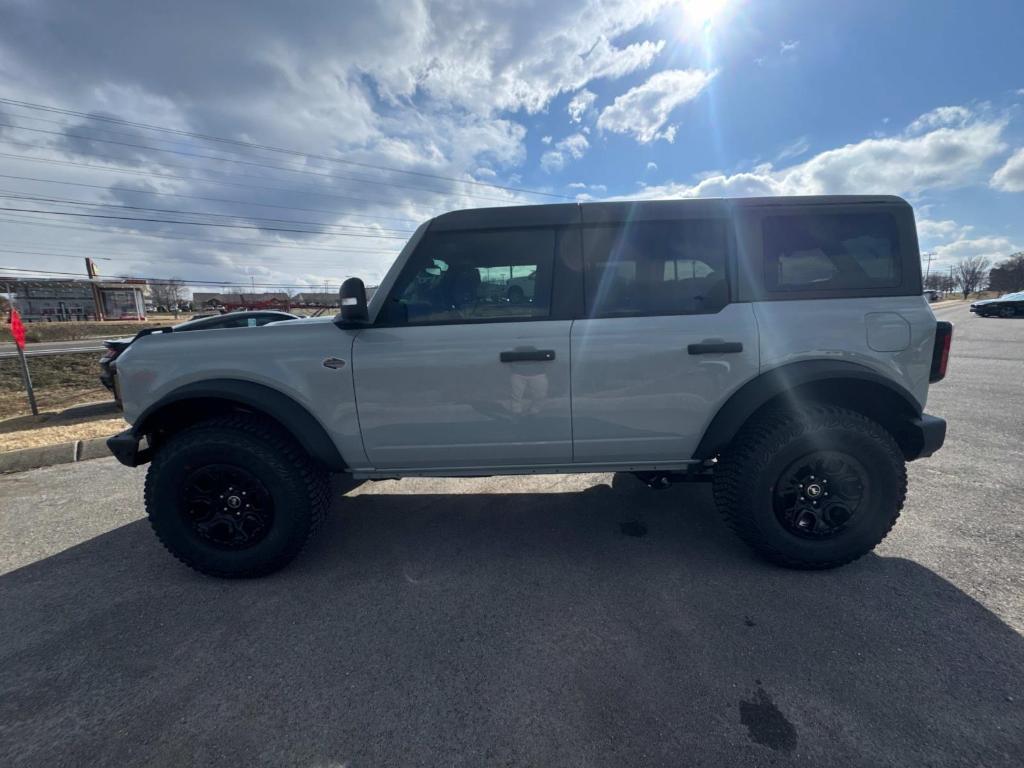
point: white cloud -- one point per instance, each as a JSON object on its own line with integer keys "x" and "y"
{"x": 644, "y": 110}
{"x": 581, "y": 104}
{"x": 576, "y": 145}
{"x": 494, "y": 56}
{"x": 939, "y": 118}
{"x": 943, "y": 158}
{"x": 993, "y": 248}
{"x": 788, "y": 46}
{"x": 794, "y": 149}
{"x": 1010, "y": 178}
{"x": 931, "y": 231}
{"x": 652, "y": 166}
{"x": 545, "y": 139}
{"x": 552, "y": 161}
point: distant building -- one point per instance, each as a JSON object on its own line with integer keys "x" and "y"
{"x": 233, "y": 301}
{"x": 315, "y": 299}
{"x": 48, "y": 300}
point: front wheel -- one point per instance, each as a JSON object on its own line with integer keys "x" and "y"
{"x": 234, "y": 497}
{"x": 815, "y": 488}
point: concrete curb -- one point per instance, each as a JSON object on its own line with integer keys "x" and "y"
{"x": 49, "y": 455}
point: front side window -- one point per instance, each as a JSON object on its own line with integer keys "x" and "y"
{"x": 831, "y": 252}
{"x": 655, "y": 268}
{"x": 475, "y": 276}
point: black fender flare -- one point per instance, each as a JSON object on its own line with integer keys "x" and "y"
{"x": 292, "y": 416}
{"x": 767, "y": 386}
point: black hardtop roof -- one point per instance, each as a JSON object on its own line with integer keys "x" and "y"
{"x": 574, "y": 213}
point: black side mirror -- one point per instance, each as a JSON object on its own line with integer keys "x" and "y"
{"x": 352, "y": 300}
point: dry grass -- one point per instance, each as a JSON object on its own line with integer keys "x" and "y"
{"x": 63, "y": 433}
{"x": 74, "y": 331}
{"x": 60, "y": 382}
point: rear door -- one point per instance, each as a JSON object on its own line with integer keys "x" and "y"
{"x": 467, "y": 364}
{"x": 661, "y": 346}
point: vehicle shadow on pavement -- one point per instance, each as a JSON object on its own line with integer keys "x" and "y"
{"x": 612, "y": 626}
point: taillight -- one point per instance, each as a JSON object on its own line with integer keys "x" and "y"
{"x": 940, "y": 352}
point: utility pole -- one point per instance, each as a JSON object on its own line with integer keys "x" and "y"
{"x": 90, "y": 270}
{"x": 928, "y": 269}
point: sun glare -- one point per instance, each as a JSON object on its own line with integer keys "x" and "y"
{"x": 702, "y": 14}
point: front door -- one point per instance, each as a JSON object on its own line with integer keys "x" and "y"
{"x": 661, "y": 347}
{"x": 467, "y": 364}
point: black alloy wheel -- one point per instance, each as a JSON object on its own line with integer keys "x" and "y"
{"x": 819, "y": 494}
{"x": 227, "y": 506}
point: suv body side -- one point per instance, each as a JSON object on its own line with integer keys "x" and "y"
{"x": 635, "y": 388}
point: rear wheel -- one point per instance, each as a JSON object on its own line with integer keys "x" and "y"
{"x": 234, "y": 497}
{"x": 815, "y": 488}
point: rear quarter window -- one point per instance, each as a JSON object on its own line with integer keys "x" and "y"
{"x": 831, "y": 252}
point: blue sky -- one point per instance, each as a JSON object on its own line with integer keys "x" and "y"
{"x": 579, "y": 99}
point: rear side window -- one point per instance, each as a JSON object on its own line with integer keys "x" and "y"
{"x": 655, "y": 268}
{"x": 475, "y": 276}
{"x": 827, "y": 252}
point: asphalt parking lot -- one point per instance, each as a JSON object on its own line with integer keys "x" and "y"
{"x": 549, "y": 621}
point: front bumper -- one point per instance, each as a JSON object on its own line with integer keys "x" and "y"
{"x": 126, "y": 448}
{"x": 924, "y": 436}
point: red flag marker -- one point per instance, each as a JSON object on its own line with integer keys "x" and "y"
{"x": 18, "y": 332}
{"x": 17, "y": 329}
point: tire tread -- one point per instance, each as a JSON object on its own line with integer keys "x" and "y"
{"x": 285, "y": 451}
{"x": 763, "y": 437}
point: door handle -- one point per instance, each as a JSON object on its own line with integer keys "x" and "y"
{"x": 526, "y": 355}
{"x": 714, "y": 348}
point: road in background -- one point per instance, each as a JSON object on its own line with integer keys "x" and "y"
{"x": 7, "y": 348}
{"x": 545, "y": 621}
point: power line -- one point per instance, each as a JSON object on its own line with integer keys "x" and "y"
{"x": 125, "y": 259}
{"x": 153, "y": 174}
{"x": 64, "y": 201}
{"x": 107, "y": 188}
{"x": 141, "y": 253}
{"x": 220, "y": 158}
{"x": 162, "y": 280}
{"x": 240, "y": 284}
{"x": 235, "y": 243}
{"x": 150, "y": 220}
{"x": 270, "y": 148}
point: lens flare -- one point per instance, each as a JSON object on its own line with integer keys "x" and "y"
{"x": 702, "y": 14}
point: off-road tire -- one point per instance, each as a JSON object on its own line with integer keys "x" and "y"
{"x": 299, "y": 488}
{"x": 746, "y": 475}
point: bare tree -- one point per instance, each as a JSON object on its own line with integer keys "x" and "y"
{"x": 971, "y": 272}
{"x": 168, "y": 293}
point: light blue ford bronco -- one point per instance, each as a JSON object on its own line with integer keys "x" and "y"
{"x": 779, "y": 348}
